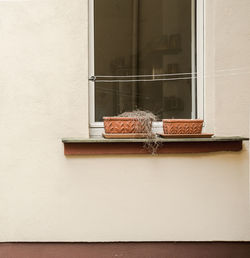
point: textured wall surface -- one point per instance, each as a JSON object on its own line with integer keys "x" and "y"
{"x": 45, "y": 196}
{"x": 227, "y": 66}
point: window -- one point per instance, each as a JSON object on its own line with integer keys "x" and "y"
{"x": 146, "y": 55}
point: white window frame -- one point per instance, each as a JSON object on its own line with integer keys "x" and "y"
{"x": 96, "y": 128}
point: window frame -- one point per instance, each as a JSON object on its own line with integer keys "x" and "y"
{"x": 96, "y": 128}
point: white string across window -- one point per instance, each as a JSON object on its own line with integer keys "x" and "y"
{"x": 99, "y": 78}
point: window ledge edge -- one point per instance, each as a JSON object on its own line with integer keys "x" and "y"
{"x": 101, "y": 146}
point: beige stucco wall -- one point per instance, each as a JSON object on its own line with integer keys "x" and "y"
{"x": 45, "y": 196}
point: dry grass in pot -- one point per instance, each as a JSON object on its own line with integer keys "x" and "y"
{"x": 145, "y": 119}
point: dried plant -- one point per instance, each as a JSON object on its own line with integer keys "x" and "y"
{"x": 145, "y": 119}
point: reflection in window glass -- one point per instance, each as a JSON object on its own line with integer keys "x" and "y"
{"x": 144, "y": 37}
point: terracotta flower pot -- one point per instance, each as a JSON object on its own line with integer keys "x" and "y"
{"x": 182, "y": 126}
{"x": 123, "y": 125}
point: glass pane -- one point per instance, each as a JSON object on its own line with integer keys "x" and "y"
{"x": 144, "y": 37}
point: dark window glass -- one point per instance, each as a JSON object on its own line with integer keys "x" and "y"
{"x": 144, "y": 37}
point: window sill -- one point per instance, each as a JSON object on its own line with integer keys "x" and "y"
{"x": 101, "y": 146}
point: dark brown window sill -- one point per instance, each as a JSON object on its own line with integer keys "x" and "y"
{"x": 101, "y": 146}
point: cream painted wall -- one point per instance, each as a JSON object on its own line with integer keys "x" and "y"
{"x": 45, "y": 196}
{"x": 227, "y": 66}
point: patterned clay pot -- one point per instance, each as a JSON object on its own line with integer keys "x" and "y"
{"x": 122, "y": 125}
{"x": 182, "y": 126}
